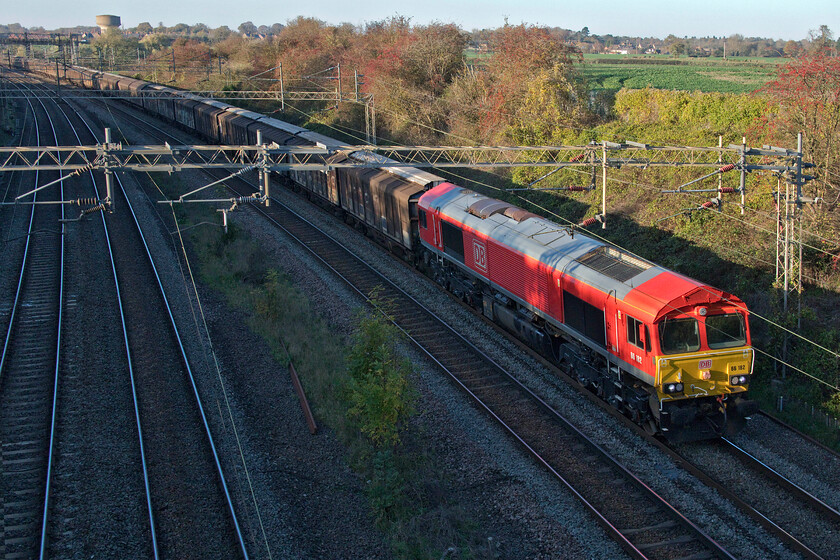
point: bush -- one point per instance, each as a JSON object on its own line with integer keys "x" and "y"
{"x": 378, "y": 389}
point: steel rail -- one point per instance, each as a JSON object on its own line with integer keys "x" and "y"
{"x": 778, "y": 421}
{"x": 785, "y": 482}
{"x": 638, "y": 552}
{"x": 185, "y": 359}
{"x": 16, "y": 302}
{"x": 58, "y": 332}
{"x": 53, "y": 416}
{"x": 128, "y": 352}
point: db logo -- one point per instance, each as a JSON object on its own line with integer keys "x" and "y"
{"x": 705, "y": 364}
{"x": 480, "y": 256}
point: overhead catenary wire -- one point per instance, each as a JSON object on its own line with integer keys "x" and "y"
{"x": 605, "y": 240}
{"x": 548, "y": 211}
{"x": 597, "y": 236}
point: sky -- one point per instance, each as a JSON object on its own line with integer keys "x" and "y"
{"x": 776, "y": 19}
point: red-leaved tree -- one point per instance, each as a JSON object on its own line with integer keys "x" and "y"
{"x": 805, "y": 97}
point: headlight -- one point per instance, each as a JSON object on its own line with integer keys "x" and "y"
{"x": 739, "y": 379}
{"x": 672, "y": 388}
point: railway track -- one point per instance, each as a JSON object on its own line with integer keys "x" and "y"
{"x": 185, "y": 486}
{"x": 641, "y": 521}
{"x": 635, "y": 516}
{"x": 29, "y": 367}
{"x": 797, "y": 516}
{"x": 495, "y": 391}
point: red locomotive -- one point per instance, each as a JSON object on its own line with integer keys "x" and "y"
{"x": 671, "y": 352}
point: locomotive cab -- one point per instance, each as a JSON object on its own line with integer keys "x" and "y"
{"x": 704, "y": 364}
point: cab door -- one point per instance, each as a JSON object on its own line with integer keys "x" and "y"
{"x": 636, "y": 342}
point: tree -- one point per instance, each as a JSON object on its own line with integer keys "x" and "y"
{"x": 116, "y": 44}
{"x": 144, "y": 28}
{"x": 806, "y": 98}
{"x": 792, "y": 49}
{"x": 521, "y": 54}
{"x": 154, "y": 41}
{"x": 822, "y": 38}
{"x": 302, "y": 46}
{"x": 200, "y": 30}
{"x": 408, "y": 70}
{"x": 220, "y": 33}
{"x": 677, "y": 48}
{"x": 247, "y": 28}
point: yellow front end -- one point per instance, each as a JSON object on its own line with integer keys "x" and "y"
{"x": 705, "y": 373}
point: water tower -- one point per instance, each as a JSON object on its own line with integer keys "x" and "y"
{"x": 106, "y": 22}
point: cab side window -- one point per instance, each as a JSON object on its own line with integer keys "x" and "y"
{"x": 422, "y": 219}
{"x": 638, "y": 334}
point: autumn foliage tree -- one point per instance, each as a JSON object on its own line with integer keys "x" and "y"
{"x": 805, "y": 98}
{"x": 408, "y": 71}
{"x": 530, "y": 88}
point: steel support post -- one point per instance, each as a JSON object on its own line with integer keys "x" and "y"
{"x": 743, "y": 174}
{"x": 604, "y": 185}
{"x": 109, "y": 188}
{"x": 265, "y": 174}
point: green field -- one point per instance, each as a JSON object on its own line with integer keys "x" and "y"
{"x": 613, "y": 72}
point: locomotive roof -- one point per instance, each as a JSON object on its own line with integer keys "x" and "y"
{"x": 651, "y": 289}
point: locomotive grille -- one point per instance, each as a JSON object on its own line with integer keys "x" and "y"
{"x": 615, "y": 264}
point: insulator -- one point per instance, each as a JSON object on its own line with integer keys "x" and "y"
{"x": 709, "y": 204}
{"x": 97, "y": 208}
{"x": 577, "y": 158}
{"x": 247, "y": 199}
{"x": 727, "y": 189}
{"x": 726, "y": 168}
{"x": 588, "y": 222}
{"x": 86, "y": 201}
{"x": 577, "y": 188}
{"x": 85, "y": 169}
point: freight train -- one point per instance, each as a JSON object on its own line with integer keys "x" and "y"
{"x": 670, "y": 352}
